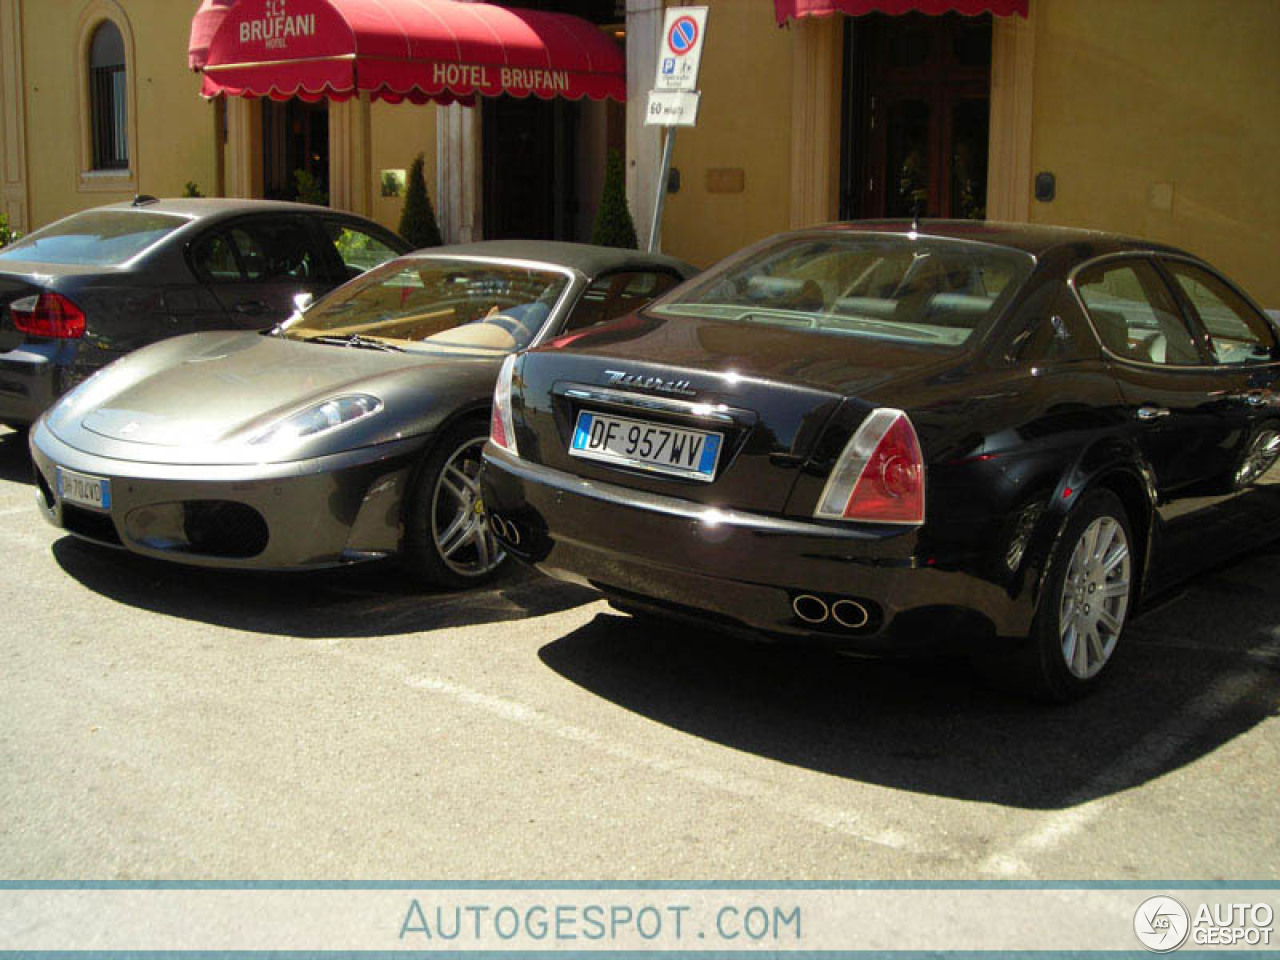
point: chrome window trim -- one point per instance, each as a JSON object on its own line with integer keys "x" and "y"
{"x": 1153, "y": 256}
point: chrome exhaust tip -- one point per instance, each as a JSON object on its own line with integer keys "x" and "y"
{"x": 811, "y": 609}
{"x": 850, "y": 614}
{"x": 505, "y": 529}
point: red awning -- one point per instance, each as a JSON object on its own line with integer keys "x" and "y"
{"x": 786, "y": 9}
{"x": 417, "y": 50}
{"x": 203, "y": 26}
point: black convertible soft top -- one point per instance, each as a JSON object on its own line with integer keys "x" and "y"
{"x": 583, "y": 257}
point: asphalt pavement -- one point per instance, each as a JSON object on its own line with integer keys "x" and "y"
{"x": 166, "y": 722}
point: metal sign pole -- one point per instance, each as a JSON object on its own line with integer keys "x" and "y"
{"x": 673, "y": 101}
{"x": 655, "y": 231}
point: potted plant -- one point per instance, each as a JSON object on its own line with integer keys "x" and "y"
{"x": 418, "y": 220}
{"x": 614, "y": 226}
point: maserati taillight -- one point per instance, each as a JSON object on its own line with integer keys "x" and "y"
{"x": 879, "y": 477}
{"x": 48, "y": 315}
{"x": 501, "y": 426}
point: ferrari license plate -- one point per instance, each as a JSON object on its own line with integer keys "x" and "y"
{"x": 83, "y": 489}
{"x": 648, "y": 446}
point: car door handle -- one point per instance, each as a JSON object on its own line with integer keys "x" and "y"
{"x": 1147, "y": 412}
{"x": 250, "y": 308}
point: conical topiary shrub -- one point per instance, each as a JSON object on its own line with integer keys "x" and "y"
{"x": 418, "y": 220}
{"x": 614, "y": 226}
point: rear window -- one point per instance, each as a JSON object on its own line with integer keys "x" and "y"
{"x": 100, "y": 238}
{"x": 885, "y": 287}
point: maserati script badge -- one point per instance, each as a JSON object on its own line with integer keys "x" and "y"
{"x": 623, "y": 379}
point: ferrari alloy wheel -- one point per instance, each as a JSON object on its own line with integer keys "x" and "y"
{"x": 459, "y": 525}
{"x": 448, "y": 541}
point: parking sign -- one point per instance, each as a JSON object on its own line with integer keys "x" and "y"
{"x": 681, "y": 51}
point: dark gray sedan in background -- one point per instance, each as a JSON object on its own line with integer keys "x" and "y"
{"x": 81, "y": 292}
{"x": 351, "y": 432}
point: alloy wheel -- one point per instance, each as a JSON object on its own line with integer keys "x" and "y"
{"x": 459, "y": 522}
{"x": 1095, "y": 597}
{"x": 1262, "y": 455}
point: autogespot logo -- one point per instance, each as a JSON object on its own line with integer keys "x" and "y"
{"x": 1161, "y": 924}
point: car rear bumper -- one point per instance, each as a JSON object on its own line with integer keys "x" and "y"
{"x": 738, "y": 570}
{"x": 305, "y": 514}
{"x": 31, "y": 379}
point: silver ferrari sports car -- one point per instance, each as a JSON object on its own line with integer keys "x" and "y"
{"x": 350, "y": 432}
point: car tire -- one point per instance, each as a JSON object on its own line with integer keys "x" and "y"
{"x": 448, "y": 542}
{"x": 1084, "y": 605}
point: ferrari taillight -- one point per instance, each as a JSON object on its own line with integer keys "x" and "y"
{"x": 48, "y": 315}
{"x": 879, "y": 477}
{"x": 502, "y": 430}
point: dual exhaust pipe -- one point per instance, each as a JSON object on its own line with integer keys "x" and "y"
{"x": 505, "y": 529}
{"x": 816, "y": 611}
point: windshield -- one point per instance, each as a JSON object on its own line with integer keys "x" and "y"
{"x": 100, "y": 238}
{"x": 441, "y": 304}
{"x": 879, "y": 286}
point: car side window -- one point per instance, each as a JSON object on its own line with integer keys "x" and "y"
{"x": 357, "y": 249}
{"x": 277, "y": 249}
{"x": 614, "y": 294}
{"x": 1059, "y": 333}
{"x": 214, "y": 258}
{"x": 1134, "y": 313}
{"x": 1237, "y": 332}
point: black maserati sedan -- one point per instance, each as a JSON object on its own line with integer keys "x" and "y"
{"x": 84, "y": 290}
{"x": 888, "y": 436}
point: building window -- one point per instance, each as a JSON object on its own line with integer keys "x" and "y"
{"x": 108, "y": 99}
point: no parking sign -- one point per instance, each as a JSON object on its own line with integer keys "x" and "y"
{"x": 680, "y": 52}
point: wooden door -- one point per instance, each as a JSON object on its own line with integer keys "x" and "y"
{"x": 917, "y": 114}
{"x": 529, "y": 188}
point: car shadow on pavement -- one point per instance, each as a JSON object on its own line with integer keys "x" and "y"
{"x": 371, "y": 600}
{"x": 15, "y": 457}
{"x": 1198, "y": 672}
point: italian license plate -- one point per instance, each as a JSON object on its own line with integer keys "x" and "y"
{"x": 649, "y": 446}
{"x": 83, "y": 489}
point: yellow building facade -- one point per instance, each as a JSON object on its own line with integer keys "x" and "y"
{"x": 1158, "y": 118}
{"x": 1149, "y": 117}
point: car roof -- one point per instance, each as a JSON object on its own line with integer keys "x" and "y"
{"x": 583, "y": 257}
{"x": 205, "y": 208}
{"x": 1035, "y": 239}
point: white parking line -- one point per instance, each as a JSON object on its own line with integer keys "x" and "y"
{"x": 783, "y": 803}
{"x": 1141, "y": 762}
